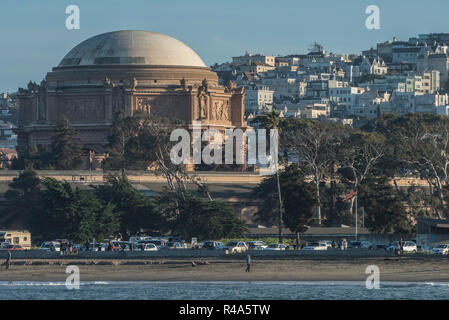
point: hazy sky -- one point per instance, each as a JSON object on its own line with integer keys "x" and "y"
{"x": 33, "y": 36}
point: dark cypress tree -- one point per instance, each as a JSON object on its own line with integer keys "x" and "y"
{"x": 65, "y": 150}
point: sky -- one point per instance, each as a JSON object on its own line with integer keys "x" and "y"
{"x": 34, "y": 37}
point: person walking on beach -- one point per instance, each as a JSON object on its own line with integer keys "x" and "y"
{"x": 248, "y": 263}
{"x": 8, "y": 260}
{"x": 398, "y": 248}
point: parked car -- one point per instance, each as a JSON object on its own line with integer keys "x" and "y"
{"x": 12, "y": 247}
{"x": 316, "y": 246}
{"x": 198, "y": 245}
{"x": 328, "y": 243}
{"x": 213, "y": 245}
{"x": 409, "y": 246}
{"x": 50, "y": 246}
{"x": 132, "y": 246}
{"x": 276, "y": 247}
{"x": 360, "y": 244}
{"x": 97, "y": 247}
{"x": 236, "y": 247}
{"x": 381, "y": 247}
{"x": 158, "y": 242}
{"x": 392, "y": 247}
{"x": 4, "y": 244}
{"x": 441, "y": 249}
{"x": 256, "y": 245}
{"x": 174, "y": 245}
{"x": 150, "y": 247}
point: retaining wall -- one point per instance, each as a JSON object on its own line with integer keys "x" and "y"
{"x": 199, "y": 254}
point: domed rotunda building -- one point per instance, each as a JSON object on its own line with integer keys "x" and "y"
{"x": 128, "y": 70}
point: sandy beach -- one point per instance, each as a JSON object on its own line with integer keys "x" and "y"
{"x": 391, "y": 269}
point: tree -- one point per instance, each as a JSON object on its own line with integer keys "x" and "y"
{"x": 315, "y": 145}
{"x": 24, "y": 188}
{"x": 420, "y": 142}
{"x": 199, "y": 217}
{"x": 36, "y": 157}
{"x": 68, "y": 212}
{"x": 66, "y": 152}
{"x": 135, "y": 212}
{"x": 123, "y": 129}
{"x": 271, "y": 121}
{"x": 385, "y": 212}
{"x": 108, "y": 222}
{"x": 359, "y": 155}
{"x": 144, "y": 141}
{"x": 299, "y": 199}
{"x": 23, "y": 194}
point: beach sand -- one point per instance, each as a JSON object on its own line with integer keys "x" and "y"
{"x": 391, "y": 269}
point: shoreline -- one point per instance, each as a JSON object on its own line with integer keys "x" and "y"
{"x": 391, "y": 269}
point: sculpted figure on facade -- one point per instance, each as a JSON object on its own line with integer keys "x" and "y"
{"x": 230, "y": 86}
{"x": 202, "y": 103}
{"x": 183, "y": 84}
{"x": 144, "y": 104}
{"x": 107, "y": 83}
{"x": 133, "y": 83}
{"x": 204, "y": 84}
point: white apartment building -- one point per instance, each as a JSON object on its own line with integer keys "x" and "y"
{"x": 374, "y": 66}
{"x": 315, "y": 111}
{"x": 368, "y": 103}
{"x": 414, "y": 84}
{"x": 257, "y": 67}
{"x": 402, "y": 102}
{"x": 258, "y": 98}
{"x": 285, "y": 87}
{"x": 430, "y": 102}
{"x": 410, "y": 102}
{"x": 439, "y": 62}
{"x": 346, "y": 96}
{"x": 252, "y": 58}
{"x": 430, "y": 81}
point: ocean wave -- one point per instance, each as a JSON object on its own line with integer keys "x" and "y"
{"x": 47, "y": 283}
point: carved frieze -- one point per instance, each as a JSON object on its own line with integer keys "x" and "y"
{"x": 144, "y": 104}
{"x": 161, "y": 105}
{"x": 82, "y": 109}
{"x": 221, "y": 110}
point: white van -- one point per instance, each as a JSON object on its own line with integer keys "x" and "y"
{"x": 50, "y": 246}
{"x": 409, "y": 246}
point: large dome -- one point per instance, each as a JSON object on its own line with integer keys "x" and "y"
{"x": 130, "y": 47}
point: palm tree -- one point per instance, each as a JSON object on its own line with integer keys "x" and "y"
{"x": 271, "y": 120}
